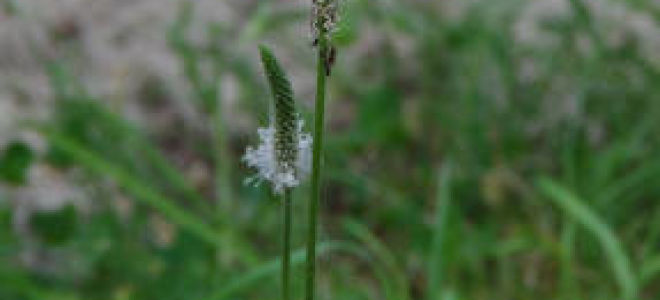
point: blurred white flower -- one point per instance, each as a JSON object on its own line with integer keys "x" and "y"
{"x": 280, "y": 173}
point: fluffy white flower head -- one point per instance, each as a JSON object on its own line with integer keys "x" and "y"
{"x": 280, "y": 174}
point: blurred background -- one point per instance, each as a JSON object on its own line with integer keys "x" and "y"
{"x": 479, "y": 149}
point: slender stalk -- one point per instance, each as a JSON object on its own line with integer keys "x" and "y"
{"x": 286, "y": 249}
{"x": 437, "y": 261}
{"x": 222, "y": 161}
{"x": 316, "y": 170}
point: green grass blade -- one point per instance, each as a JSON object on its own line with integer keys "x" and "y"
{"x": 574, "y": 207}
{"x": 109, "y": 123}
{"x": 398, "y": 289}
{"x": 173, "y": 176}
{"x": 20, "y": 283}
{"x": 272, "y": 268}
{"x": 436, "y": 262}
{"x": 141, "y": 191}
{"x": 651, "y": 238}
{"x": 157, "y": 159}
{"x": 650, "y": 270}
{"x": 631, "y": 182}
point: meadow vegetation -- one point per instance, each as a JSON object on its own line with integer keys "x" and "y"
{"x": 463, "y": 160}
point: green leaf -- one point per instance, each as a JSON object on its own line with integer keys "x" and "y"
{"x": 574, "y": 207}
{"x": 7, "y": 237}
{"x": 97, "y": 129}
{"x": 142, "y": 192}
{"x": 650, "y": 270}
{"x": 395, "y": 285}
{"x": 55, "y": 227}
{"x": 15, "y": 162}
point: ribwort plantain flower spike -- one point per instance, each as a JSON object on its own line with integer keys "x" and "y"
{"x": 283, "y": 156}
{"x": 325, "y": 18}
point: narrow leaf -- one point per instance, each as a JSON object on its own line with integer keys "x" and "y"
{"x": 574, "y": 207}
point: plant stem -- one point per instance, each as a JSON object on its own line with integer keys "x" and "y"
{"x": 316, "y": 170}
{"x": 286, "y": 249}
{"x": 222, "y": 160}
{"x": 437, "y": 260}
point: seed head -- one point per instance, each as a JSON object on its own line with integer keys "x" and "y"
{"x": 324, "y": 18}
{"x": 285, "y": 111}
{"x": 279, "y": 173}
{"x": 284, "y": 153}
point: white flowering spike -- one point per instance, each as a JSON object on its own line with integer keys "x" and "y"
{"x": 284, "y": 153}
{"x": 279, "y": 173}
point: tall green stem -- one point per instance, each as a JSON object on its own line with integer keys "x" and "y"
{"x": 316, "y": 170}
{"x": 286, "y": 249}
{"x": 222, "y": 165}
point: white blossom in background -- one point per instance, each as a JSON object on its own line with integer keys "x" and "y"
{"x": 280, "y": 174}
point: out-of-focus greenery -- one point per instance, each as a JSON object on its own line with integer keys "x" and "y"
{"x": 457, "y": 176}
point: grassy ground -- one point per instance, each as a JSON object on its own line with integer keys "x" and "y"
{"x": 475, "y": 155}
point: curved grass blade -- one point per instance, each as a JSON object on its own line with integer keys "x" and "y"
{"x": 398, "y": 289}
{"x": 574, "y": 207}
{"x": 650, "y": 270}
{"x": 142, "y": 192}
{"x": 630, "y": 184}
{"x": 96, "y": 115}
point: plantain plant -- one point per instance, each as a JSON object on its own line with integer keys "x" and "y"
{"x": 283, "y": 156}
{"x": 324, "y": 25}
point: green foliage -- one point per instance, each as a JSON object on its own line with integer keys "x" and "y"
{"x": 15, "y": 163}
{"x": 141, "y": 190}
{"x": 437, "y": 257}
{"x": 55, "y": 227}
{"x": 415, "y": 87}
{"x": 7, "y": 237}
{"x": 612, "y": 247}
{"x": 394, "y": 285}
{"x": 379, "y": 118}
